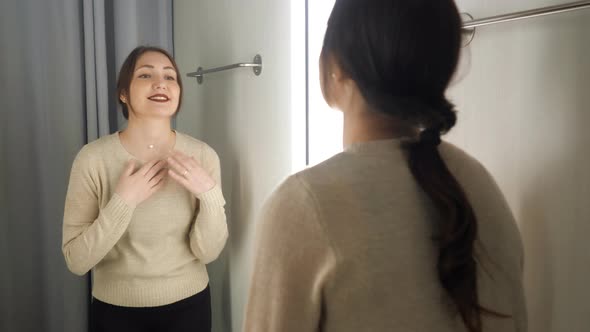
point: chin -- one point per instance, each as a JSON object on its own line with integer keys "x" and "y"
{"x": 162, "y": 112}
{"x": 165, "y": 114}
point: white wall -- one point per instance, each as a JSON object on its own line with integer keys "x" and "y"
{"x": 244, "y": 117}
{"x": 524, "y": 113}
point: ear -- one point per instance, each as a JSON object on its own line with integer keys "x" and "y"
{"x": 336, "y": 73}
{"x": 123, "y": 98}
{"x": 339, "y": 81}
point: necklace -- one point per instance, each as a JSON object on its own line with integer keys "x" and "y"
{"x": 154, "y": 146}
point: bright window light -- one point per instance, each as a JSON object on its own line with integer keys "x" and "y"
{"x": 325, "y": 124}
{"x": 298, "y": 139}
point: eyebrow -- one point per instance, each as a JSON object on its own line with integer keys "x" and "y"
{"x": 152, "y": 67}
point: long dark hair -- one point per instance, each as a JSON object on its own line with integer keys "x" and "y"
{"x": 126, "y": 74}
{"x": 402, "y": 55}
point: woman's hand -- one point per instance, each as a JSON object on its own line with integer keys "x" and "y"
{"x": 187, "y": 171}
{"x": 135, "y": 187}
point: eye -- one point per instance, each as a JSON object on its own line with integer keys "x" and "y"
{"x": 171, "y": 78}
{"x": 144, "y": 76}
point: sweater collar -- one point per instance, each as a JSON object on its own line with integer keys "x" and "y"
{"x": 375, "y": 146}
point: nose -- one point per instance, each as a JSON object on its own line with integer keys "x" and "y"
{"x": 160, "y": 84}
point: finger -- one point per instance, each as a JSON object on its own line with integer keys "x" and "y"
{"x": 157, "y": 167}
{"x": 183, "y": 158}
{"x": 179, "y": 154}
{"x": 162, "y": 164}
{"x": 178, "y": 178}
{"x": 193, "y": 163}
{"x": 157, "y": 178}
{"x": 130, "y": 168}
{"x": 177, "y": 165}
{"x": 148, "y": 166}
{"x": 156, "y": 187}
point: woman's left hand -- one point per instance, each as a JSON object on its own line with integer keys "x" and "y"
{"x": 187, "y": 171}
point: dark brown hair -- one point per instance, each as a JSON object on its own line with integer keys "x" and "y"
{"x": 402, "y": 55}
{"x": 128, "y": 68}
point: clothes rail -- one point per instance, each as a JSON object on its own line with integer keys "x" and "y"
{"x": 527, "y": 14}
{"x": 256, "y": 66}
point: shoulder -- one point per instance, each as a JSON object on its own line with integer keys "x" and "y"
{"x": 291, "y": 211}
{"x": 93, "y": 151}
{"x": 473, "y": 176}
{"x": 195, "y": 147}
{"x": 290, "y": 198}
{"x": 295, "y": 197}
{"x": 463, "y": 164}
{"x": 495, "y": 219}
{"x": 327, "y": 172}
{"x": 294, "y": 189}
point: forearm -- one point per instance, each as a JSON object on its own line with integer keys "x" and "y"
{"x": 209, "y": 232}
{"x": 85, "y": 244}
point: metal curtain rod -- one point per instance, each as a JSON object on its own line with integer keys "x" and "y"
{"x": 256, "y": 66}
{"x": 527, "y": 14}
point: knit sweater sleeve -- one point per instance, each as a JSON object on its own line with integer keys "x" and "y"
{"x": 90, "y": 232}
{"x": 209, "y": 232}
{"x": 293, "y": 265}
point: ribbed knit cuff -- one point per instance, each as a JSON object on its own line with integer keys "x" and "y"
{"x": 117, "y": 210}
{"x": 212, "y": 201}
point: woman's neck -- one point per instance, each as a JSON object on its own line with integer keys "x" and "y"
{"x": 148, "y": 139}
{"x": 362, "y": 125}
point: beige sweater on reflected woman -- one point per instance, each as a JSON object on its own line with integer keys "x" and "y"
{"x": 346, "y": 246}
{"x": 148, "y": 255}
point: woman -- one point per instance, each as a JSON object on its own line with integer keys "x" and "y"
{"x": 144, "y": 210}
{"x": 400, "y": 232}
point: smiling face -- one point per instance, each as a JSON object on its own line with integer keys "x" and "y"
{"x": 154, "y": 90}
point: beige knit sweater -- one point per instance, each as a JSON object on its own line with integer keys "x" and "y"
{"x": 347, "y": 246}
{"x": 149, "y": 255}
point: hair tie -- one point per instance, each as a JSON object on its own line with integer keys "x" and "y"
{"x": 430, "y": 137}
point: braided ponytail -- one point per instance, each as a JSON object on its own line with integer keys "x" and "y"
{"x": 458, "y": 225}
{"x": 402, "y": 56}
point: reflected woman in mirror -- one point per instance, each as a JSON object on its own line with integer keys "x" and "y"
{"x": 144, "y": 210}
{"x": 401, "y": 231}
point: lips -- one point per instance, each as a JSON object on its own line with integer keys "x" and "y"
{"x": 160, "y": 98}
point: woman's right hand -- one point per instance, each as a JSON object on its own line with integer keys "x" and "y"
{"x": 135, "y": 187}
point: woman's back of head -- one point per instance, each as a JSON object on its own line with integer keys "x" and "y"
{"x": 402, "y": 55}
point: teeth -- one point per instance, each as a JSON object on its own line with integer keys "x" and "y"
{"x": 158, "y": 98}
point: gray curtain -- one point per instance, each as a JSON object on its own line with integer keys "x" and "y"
{"x": 58, "y": 66}
{"x": 111, "y": 30}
